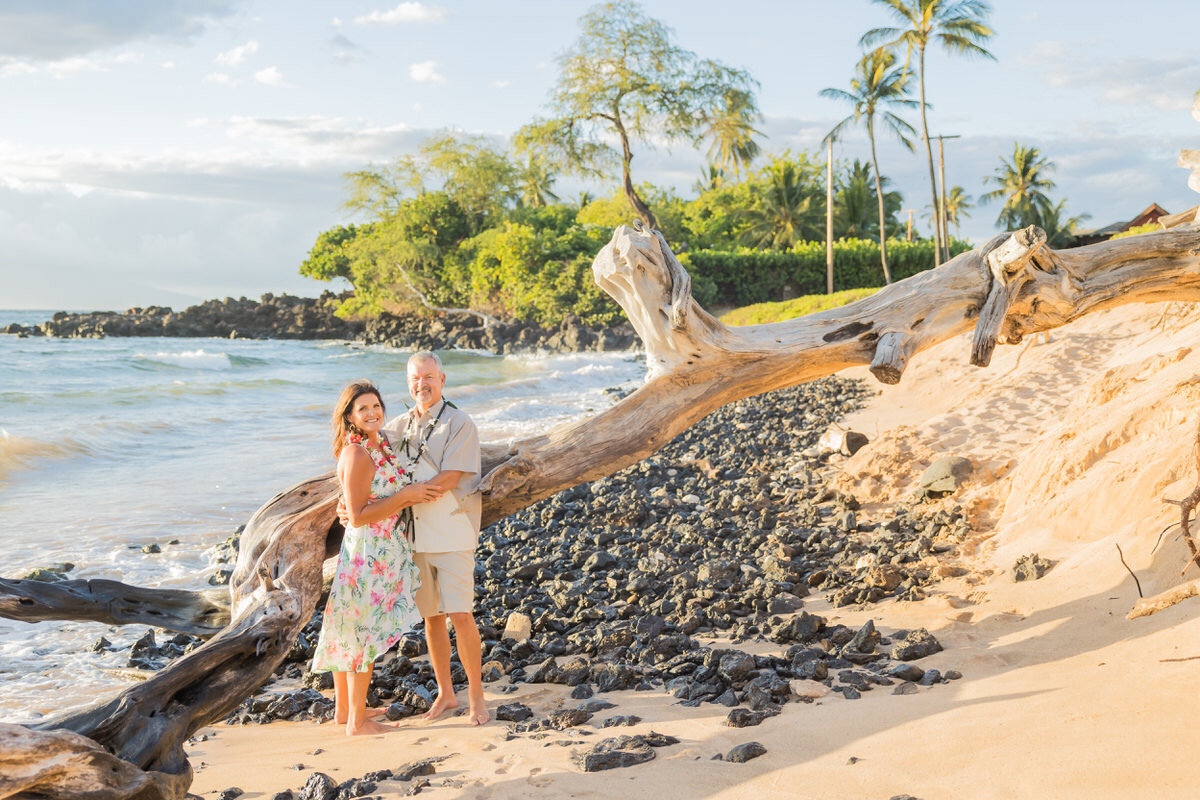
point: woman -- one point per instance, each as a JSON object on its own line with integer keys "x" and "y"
{"x": 371, "y": 600}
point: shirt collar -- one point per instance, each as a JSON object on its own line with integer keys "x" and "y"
{"x": 415, "y": 411}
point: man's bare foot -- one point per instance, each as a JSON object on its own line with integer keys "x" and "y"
{"x": 444, "y": 703}
{"x": 479, "y": 712}
{"x": 368, "y": 727}
{"x": 371, "y": 714}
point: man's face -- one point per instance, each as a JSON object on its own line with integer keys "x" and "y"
{"x": 425, "y": 383}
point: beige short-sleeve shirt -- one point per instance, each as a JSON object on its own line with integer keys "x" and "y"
{"x": 452, "y": 443}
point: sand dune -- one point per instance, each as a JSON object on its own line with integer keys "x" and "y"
{"x": 1077, "y": 438}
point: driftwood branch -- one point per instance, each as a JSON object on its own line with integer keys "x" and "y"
{"x": 115, "y": 603}
{"x": 1164, "y": 600}
{"x": 145, "y": 726}
{"x": 696, "y": 364}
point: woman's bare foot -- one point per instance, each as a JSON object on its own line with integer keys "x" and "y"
{"x": 444, "y": 703}
{"x": 479, "y": 713}
{"x": 371, "y": 714}
{"x": 368, "y": 727}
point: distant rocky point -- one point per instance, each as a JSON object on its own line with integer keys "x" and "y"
{"x": 288, "y": 317}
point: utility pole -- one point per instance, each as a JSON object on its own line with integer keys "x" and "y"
{"x": 910, "y": 212}
{"x": 941, "y": 209}
{"x": 829, "y": 220}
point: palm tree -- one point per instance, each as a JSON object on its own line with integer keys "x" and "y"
{"x": 957, "y": 203}
{"x": 957, "y": 25}
{"x": 856, "y": 203}
{"x": 1060, "y": 232}
{"x": 1022, "y": 185}
{"x": 711, "y": 177}
{"x": 534, "y": 179}
{"x": 732, "y": 133}
{"x": 878, "y": 83}
{"x": 787, "y": 211}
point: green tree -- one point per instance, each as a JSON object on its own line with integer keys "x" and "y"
{"x": 856, "y": 206}
{"x": 718, "y": 218}
{"x": 711, "y": 177}
{"x": 959, "y": 26}
{"x": 609, "y": 212}
{"x": 535, "y": 182}
{"x": 957, "y": 203}
{"x": 1022, "y": 185}
{"x": 330, "y": 257}
{"x": 625, "y": 77}
{"x": 789, "y": 208}
{"x": 477, "y": 175}
{"x": 878, "y": 82}
{"x": 731, "y": 129}
{"x": 1059, "y": 228}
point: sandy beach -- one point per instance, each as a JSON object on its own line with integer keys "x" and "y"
{"x": 1076, "y": 439}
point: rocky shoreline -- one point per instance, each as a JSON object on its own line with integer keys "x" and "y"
{"x": 649, "y": 578}
{"x": 289, "y": 317}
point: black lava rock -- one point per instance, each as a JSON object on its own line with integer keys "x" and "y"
{"x": 744, "y": 752}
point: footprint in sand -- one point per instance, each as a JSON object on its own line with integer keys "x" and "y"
{"x": 421, "y": 740}
{"x": 505, "y": 763}
{"x": 487, "y": 747}
{"x": 541, "y": 782}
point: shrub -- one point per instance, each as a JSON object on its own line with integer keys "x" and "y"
{"x": 745, "y": 276}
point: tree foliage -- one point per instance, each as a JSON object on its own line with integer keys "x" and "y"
{"x": 957, "y": 26}
{"x": 625, "y": 77}
{"x": 1022, "y": 185}
{"x": 878, "y": 83}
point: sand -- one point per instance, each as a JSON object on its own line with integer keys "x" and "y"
{"x": 1077, "y": 438}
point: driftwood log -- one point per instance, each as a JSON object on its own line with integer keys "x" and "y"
{"x": 1011, "y": 287}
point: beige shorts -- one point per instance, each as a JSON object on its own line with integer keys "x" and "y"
{"x": 447, "y": 583}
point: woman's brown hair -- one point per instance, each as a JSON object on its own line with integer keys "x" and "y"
{"x": 339, "y": 425}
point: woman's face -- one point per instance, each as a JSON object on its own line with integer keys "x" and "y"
{"x": 366, "y": 414}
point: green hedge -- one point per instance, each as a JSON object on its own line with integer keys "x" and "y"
{"x": 742, "y": 277}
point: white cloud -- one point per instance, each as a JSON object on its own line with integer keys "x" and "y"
{"x": 168, "y": 65}
{"x": 270, "y": 76}
{"x": 73, "y": 66}
{"x": 11, "y": 67}
{"x": 220, "y": 78}
{"x": 198, "y": 122}
{"x": 405, "y": 12}
{"x": 1166, "y": 84}
{"x": 237, "y": 55}
{"x": 425, "y": 72}
{"x": 66, "y": 67}
{"x": 501, "y": 84}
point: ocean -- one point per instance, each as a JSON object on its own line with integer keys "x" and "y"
{"x": 108, "y": 445}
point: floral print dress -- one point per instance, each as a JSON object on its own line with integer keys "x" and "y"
{"x": 371, "y": 602}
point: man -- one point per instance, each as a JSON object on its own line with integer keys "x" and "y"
{"x": 441, "y": 444}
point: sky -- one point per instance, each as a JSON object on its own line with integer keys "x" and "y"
{"x": 169, "y": 152}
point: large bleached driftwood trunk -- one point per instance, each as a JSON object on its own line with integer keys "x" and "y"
{"x": 1011, "y": 287}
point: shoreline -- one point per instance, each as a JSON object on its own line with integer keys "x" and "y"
{"x": 1061, "y": 696}
{"x": 289, "y": 317}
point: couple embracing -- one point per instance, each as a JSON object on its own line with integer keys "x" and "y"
{"x": 411, "y": 507}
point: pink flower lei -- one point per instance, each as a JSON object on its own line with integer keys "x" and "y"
{"x": 384, "y": 445}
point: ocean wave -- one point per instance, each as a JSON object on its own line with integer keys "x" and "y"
{"x": 196, "y": 359}
{"x": 22, "y": 453}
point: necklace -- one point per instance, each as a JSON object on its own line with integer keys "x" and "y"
{"x": 423, "y": 440}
